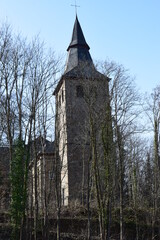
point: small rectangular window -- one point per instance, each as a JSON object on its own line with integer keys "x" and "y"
{"x": 80, "y": 92}
{"x": 58, "y": 134}
{"x": 59, "y": 100}
{"x": 62, "y": 95}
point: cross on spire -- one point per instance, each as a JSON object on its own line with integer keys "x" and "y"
{"x": 76, "y": 6}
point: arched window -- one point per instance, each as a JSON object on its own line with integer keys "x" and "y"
{"x": 80, "y": 92}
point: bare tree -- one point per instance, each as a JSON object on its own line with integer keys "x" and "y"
{"x": 152, "y": 110}
{"x": 26, "y": 84}
{"x": 125, "y": 111}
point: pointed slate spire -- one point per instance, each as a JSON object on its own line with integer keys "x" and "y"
{"x": 78, "y": 39}
{"x": 78, "y": 50}
{"x": 79, "y": 63}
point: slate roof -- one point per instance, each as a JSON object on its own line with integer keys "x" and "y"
{"x": 78, "y": 50}
{"x": 79, "y": 63}
{"x": 77, "y": 36}
{"x": 48, "y": 146}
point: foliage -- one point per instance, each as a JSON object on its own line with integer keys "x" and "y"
{"x": 18, "y": 173}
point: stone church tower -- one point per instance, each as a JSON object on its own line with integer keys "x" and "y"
{"x": 81, "y": 91}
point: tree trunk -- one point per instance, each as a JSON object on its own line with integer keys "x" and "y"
{"x": 88, "y": 201}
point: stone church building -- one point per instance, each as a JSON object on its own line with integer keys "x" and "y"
{"x": 81, "y": 101}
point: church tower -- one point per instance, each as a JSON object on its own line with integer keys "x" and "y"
{"x": 80, "y": 91}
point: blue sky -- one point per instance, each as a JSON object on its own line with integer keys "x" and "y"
{"x": 126, "y": 31}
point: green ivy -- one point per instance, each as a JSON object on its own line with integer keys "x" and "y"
{"x": 18, "y": 179}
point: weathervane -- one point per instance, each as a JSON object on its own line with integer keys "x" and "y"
{"x": 76, "y": 6}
